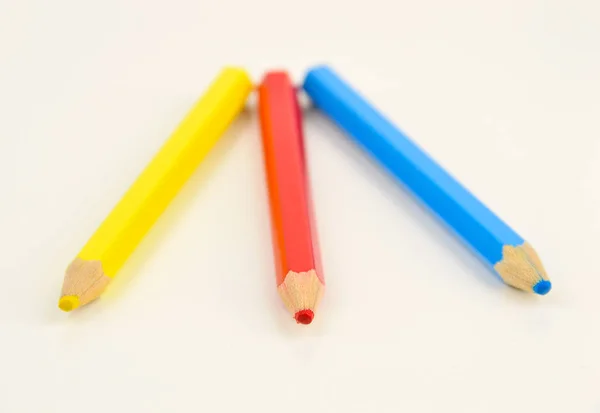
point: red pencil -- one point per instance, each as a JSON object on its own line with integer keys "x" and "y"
{"x": 300, "y": 280}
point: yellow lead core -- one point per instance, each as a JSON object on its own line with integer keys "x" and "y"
{"x": 68, "y": 303}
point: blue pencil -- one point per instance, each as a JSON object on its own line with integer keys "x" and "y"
{"x": 505, "y": 251}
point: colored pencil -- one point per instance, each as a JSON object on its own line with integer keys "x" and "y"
{"x": 504, "y": 251}
{"x": 299, "y": 276}
{"x": 118, "y": 236}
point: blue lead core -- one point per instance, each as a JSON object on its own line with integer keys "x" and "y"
{"x": 543, "y": 287}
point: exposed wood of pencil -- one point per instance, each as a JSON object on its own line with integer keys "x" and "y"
{"x": 84, "y": 282}
{"x": 522, "y": 268}
{"x": 301, "y": 293}
{"x": 299, "y": 276}
{"x": 137, "y": 211}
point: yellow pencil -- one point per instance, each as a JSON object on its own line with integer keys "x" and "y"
{"x": 121, "y": 232}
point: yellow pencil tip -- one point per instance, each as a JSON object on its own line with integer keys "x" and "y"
{"x": 68, "y": 302}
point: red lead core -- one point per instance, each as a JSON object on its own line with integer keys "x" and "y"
{"x": 304, "y": 316}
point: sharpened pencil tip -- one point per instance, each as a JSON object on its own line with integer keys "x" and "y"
{"x": 304, "y": 316}
{"x": 543, "y": 287}
{"x": 68, "y": 303}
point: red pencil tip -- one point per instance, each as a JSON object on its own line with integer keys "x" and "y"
{"x": 304, "y": 316}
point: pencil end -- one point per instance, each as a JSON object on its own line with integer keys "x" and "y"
{"x": 313, "y": 70}
{"x": 522, "y": 268}
{"x": 84, "y": 282}
{"x": 68, "y": 303}
{"x": 301, "y": 293}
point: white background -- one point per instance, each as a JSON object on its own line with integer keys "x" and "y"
{"x": 506, "y": 95}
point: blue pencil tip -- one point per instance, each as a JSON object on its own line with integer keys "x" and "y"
{"x": 543, "y": 287}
